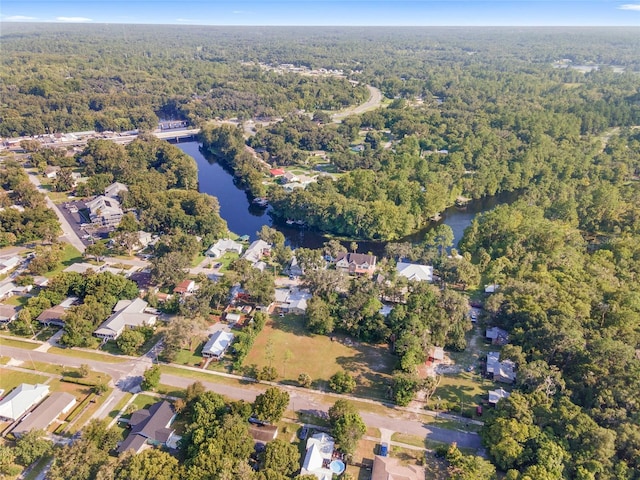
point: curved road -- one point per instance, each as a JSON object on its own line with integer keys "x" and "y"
{"x": 127, "y": 375}
{"x": 375, "y": 100}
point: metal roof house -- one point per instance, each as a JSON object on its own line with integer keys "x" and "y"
{"x": 21, "y": 399}
{"x": 217, "y": 345}
{"x": 46, "y": 413}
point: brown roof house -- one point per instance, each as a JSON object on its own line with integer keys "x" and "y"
{"x": 389, "y": 468}
{"x": 8, "y": 313}
{"x": 263, "y": 434}
{"x": 150, "y": 426}
{"x": 185, "y": 287}
{"x": 356, "y": 263}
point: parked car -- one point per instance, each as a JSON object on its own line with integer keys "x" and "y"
{"x": 384, "y": 450}
{"x": 302, "y": 433}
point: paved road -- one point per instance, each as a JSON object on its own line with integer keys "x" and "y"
{"x": 127, "y": 375}
{"x": 69, "y": 235}
{"x": 375, "y": 100}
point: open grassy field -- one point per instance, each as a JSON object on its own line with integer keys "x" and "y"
{"x": 295, "y": 351}
{"x": 70, "y": 256}
{"x": 101, "y": 357}
{"x": 470, "y": 388}
{"x": 10, "y": 379}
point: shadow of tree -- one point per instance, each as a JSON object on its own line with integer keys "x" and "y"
{"x": 294, "y": 324}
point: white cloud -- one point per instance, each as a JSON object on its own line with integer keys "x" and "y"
{"x": 630, "y": 6}
{"x": 18, "y": 18}
{"x": 73, "y": 19}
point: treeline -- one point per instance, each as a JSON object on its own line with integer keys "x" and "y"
{"x": 31, "y": 220}
{"x": 568, "y": 298}
{"x": 162, "y": 185}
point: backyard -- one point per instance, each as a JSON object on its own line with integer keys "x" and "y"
{"x": 285, "y": 343}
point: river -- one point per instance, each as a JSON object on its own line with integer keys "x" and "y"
{"x": 244, "y": 218}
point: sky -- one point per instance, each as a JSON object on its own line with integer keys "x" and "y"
{"x": 328, "y": 12}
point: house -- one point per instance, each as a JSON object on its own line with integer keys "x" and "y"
{"x": 53, "y": 316}
{"x": 127, "y": 313}
{"x": 295, "y": 270}
{"x": 46, "y": 413}
{"x": 113, "y": 190}
{"x": 223, "y": 246}
{"x": 262, "y": 266}
{"x": 143, "y": 240}
{"x": 84, "y": 267}
{"x": 356, "y": 263}
{"x": 291, "y": 300}
{"x": 385, "y": 310}
{"x": 9, "y": 263}
{"x": 8, "y": 313}
{"x": 217, "y": 345}
{"x": 6, "y": 290}
{"x": 390, "y": 468}
{"x": 497, "y": 336}
{"x": 185, "y": 287}
{"x": 318, "y": 457}
{"x": 436, "y": 354}
{"x": 415, "y": 272}
{"x": 277, "y": 172}
{"x": 256, "y": 251}
{"x": 233, "y": 318}
{"x": 496, "y": 395}
{"x": 492, "y": 288}
{"x": 289, "y": 177}
{"x": 21, "y": 399}
{"x": 105, "y": 211}
{"x": 263, "y": 434}
{"x": 500, "y": 371}
{"x": 149, "y": 426}
{"x": 51, "y": 171}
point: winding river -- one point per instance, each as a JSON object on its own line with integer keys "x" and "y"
{"x": 244, "y": 218}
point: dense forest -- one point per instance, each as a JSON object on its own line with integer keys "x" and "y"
{"x": 469, "y": 113}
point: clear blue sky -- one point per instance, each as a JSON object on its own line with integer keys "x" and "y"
{"x": 328, "y": 12}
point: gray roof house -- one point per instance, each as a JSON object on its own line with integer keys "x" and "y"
{"x": 149, "y": 426}
{"x": 500, "y": 371}
{"x": 114, "y": 189}
{"x": 256, "y": 251}
{"x": 105, "y": 211}
{"x": 8, "y": 313}
{"x": 46, "y": 413}
{"x": 127, "y": 313}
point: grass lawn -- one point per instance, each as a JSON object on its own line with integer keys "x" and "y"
{"x": 10, "y": 379}
{"x": 142, "y": 401}
{"x": 364, "y": 452}
{"x": 295, "y": 351}
{"x": 14, "y": 342}
{"x": 170, "y": 391}
{"x": 88, "y": 413}
{"x": 120, "y": 405}
{"x": 202, "y": 376}
{"x": 70, "y": 256}
{"x": 226, "y": 260}
{"x": 468, "y": 387}
{"x": 46, "y": 333}
{"x": 37, "y": 468}
{"x": 101, "y": 357}
{"x": 187, "y": 357}
{"x": 413, "y": 440}
{"x": 198, "y": 258}
{"x": 17, "y": 300}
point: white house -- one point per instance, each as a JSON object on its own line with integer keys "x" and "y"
{"x": 105, "y": 211}
{"x": 217, "y": 345}
{"x": 492, "y": 288}
{"x": 6, "y": 290}
{"x": 292, "y": 300}
{"x": 21, "y": 399}
{"x": 496, "y": 395}
{"x": 9, "y": 263}
{"x": 415, "y": 272}
{"x": 319, "y": 453}
{"x": 223, "y": 246}
{"x": 256, "y": 251}
{"x": 127, "y": 313}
